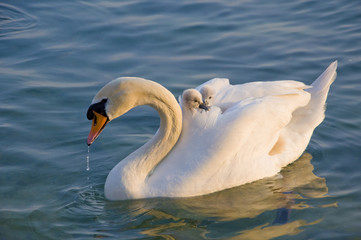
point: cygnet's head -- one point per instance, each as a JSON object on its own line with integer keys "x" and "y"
{"x": 207, "y": 95}
{"x": 192, "y": 99}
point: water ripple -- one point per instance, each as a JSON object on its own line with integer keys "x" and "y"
{"x": 14, "y": 20}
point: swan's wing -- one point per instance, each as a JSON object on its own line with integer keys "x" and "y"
{"x": 260, "y": 119}
{"x": 243, "y": 139}
{"x": 262, "y": 89}
{"x": 235, "y": 93}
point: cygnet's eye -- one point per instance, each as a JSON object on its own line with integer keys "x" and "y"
{"x": 195, "y": 100}
{"x": 210, "y": 97}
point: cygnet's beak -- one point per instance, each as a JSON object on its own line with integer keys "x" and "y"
{"x": 98, "y": 124}
{"x": 204, "y": 106}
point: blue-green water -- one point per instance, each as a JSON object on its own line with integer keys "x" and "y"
{"x": 55, "y": 55}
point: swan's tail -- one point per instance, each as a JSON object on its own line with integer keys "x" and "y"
{"x": 319, "y": 88}
{"x": 305, "y": 119}
{"x": 319, "y": 91}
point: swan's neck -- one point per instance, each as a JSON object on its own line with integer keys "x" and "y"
{"x": 132, "y": 172}
{"x": 145, "y": 159}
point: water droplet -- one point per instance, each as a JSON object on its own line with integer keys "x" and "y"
{"x": 87, "y": 160}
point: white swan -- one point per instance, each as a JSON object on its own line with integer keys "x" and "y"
{"x": 253, "y": 139}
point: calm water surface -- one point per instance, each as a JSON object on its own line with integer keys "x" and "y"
{"x": 55, "y": 55}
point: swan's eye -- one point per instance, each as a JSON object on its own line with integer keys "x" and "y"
{"x": 97, "y": 107}
{"x": 210, "y": 97}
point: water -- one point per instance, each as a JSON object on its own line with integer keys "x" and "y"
{"x": 88, "y": 159}
{"x": 55, "y": 55}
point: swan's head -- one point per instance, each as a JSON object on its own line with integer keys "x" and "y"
{"x": 97, "y": 113}
{"x": 208, "y": 93}
{"x": 192, "y": 99}
{"x": 115, "y": 99}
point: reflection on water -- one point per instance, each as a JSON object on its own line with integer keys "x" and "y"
{"x": 282, "y": 193}
{"x": 270, "y": 232}
{"x": 14, "y": 20}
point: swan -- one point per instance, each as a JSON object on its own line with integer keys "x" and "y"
{"x": 191, "y": 101}
{"x": 208, "y": 92}
{"x": 253, "y": 139}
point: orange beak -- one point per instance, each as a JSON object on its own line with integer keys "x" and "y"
{"x": 98, "y": 124}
